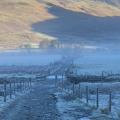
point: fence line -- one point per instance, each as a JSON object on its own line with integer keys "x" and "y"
{"x": 12, "y": 86}
{"x": 87, "y": 94}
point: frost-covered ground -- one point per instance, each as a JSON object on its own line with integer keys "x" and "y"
{"x": 4, "y": 105}
{"x": 17, "y": 64}
{"x": 74, "y": 108}
{"x": 38, "y": 104}
{"x": 91, "y": 62}
{"x": 18, "y": 94}
{"x": 96, "y": 62}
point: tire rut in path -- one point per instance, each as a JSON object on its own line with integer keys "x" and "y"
{"x": 39, "y": 104}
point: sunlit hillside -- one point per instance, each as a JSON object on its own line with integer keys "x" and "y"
{"x": 16, "y": 17}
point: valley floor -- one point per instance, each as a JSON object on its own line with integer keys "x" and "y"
{"x": 47, "y": 102}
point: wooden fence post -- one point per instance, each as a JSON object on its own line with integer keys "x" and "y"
{"x": 20, "y": 85}
{"x": 110, "y": 101}
{"x": 73, "y": 89}
{"x": 14, "y": 87}
{"x": 81, "y": 93}
{"x": 30, "y": 82}
{"x": 10, "y": 89}
{"x": 62, "y": 82}
{"x": 5, "y": 86}
{"x": 17, "y": 86}
{"x": 87, "y": 93}
{"x": 55, "y": 80}
{"x": 23, "y": 85}
{"x": 79, "y": 90}
{"x": 97, "y": 98}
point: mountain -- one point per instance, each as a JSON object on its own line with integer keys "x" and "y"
{"x": 16, "y": 18}
{"x": 94, "y": 7}
{"x": 33, "y": 23}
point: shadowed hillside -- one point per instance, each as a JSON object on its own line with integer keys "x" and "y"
{"x": 32, "y": 22}
{"x": 80, "y": 25}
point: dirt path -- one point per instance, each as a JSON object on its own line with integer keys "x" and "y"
{"x": 39, "y": 104}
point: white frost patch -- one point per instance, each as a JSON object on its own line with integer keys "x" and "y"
{"x": 77, "y": 109}
{"x": 84, "y": 118}
{"x": 9, "y": 101}
{"x": 69, "y": 110}
{"x": 5, "y": 104}
{"x": 53, "y": 77}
